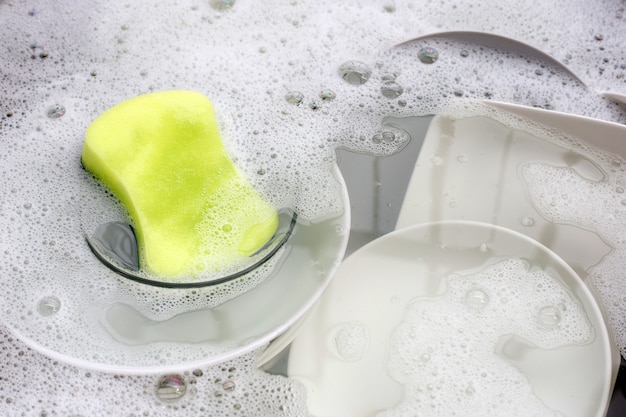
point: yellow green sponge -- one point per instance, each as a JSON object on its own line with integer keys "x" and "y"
{"x": 162, "y": 155}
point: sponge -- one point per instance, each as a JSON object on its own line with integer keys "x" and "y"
{"x": 162, "y": 155}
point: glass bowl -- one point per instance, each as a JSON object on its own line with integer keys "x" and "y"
{"x": 115, "y": 245}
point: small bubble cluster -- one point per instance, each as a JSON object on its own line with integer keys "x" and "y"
{"x": 351, "y": 341}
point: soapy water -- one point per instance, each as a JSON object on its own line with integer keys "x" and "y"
{"x": 85, "y": 59}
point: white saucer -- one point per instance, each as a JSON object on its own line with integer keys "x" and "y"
{"x": 63, "y": 302}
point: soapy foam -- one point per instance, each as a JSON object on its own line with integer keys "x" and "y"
{"x": 443, "y": 351}
{"x": 561, "y": 195}
{"x": 246, "y": 58}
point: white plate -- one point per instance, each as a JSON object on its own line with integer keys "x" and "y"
{"x": 344, "y": 356}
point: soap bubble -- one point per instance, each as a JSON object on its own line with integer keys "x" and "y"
{"x": 49, "y": 305}
{"x": 391, "y": 89}
{"x": 428, "y": 55}
{"x": 171, "y": 388}
{"x": 549, "y": 316}
{"x": 56, "y": 111}
{"x": 355, "y": 72}
{"x": 327, "y": 94}
{"x": 476, "y": 298}
{"x": 294, "y": 97}
{"x": 222, "y": 4}
{"x": 228, "y": 386}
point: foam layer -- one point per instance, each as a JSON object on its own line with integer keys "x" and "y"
{"x": 443, "y": 351}
{"x": 563, "y": 196}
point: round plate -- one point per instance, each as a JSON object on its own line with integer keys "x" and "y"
{"x": 454, "y": 316}
{"x": 62, "y": 301}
